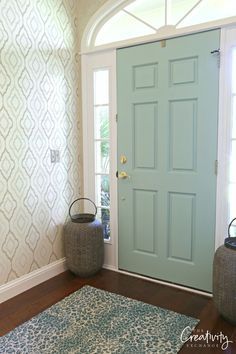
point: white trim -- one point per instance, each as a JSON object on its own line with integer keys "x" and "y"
{"x": 113, "y": 157}
{"x": 171, "y": 285}
{"x": 160, "y": 35}
{"x": 228, "y": 39}
{"x": 95, "y": 21}
{"x": 110, "y": 267}
{"x": 223, "y": 142}
{"x": 32, "y": 279}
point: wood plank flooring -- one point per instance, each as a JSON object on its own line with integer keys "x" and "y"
{"x": 26, "y": 305}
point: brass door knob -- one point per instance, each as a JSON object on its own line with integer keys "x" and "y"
{"x": 123, "y": 175}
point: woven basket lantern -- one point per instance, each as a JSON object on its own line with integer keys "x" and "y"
{"x": 224, "y": 277}
{"x": 84, "y": 242}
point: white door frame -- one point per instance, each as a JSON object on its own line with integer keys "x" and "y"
{"x": 228, "y": 40}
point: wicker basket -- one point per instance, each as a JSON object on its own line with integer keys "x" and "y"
{"x": 224, "y": 282}
{"x": 84, "y": 247}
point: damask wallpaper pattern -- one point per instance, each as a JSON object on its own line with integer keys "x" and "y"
{"x": 39, "y": 107}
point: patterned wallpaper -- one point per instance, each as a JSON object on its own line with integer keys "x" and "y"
{"x": 39, "y": 107}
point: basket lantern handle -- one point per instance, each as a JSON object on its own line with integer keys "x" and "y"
{"x": 230, "y": 226}
{"x": 76, "y": 200}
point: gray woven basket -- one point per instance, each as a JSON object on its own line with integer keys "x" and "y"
{"x": 224, "y": 282}
{"x": 84, "y": 247}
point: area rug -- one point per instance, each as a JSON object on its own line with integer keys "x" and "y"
{"x": 96, "y": 321}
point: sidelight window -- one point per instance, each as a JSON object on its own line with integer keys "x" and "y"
{"x": 232, "y": 174}
{"x": 99, "y": 141}
{"x": 102, "y": 147}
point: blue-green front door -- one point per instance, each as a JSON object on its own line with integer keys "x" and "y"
{"x": 167, "y": 130}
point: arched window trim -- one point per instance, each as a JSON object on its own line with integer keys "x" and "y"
{"x": 97, "y": 21}
{"x": 111, "y": 7}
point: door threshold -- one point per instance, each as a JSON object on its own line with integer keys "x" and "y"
{"x": 162, "y": 282}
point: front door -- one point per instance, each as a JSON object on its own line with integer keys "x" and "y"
{"x": 167, "y": 151}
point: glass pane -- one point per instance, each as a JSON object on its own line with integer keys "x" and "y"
{"x": 102, "y": 161}
{"x": 234, "y": 71}
{"x": 101, "y": 87}
{"x": 101, "y": 122}
{"x": 102, "y": 190}
{"x": 233, "y": 163}
{"x": 234, "y": 118}
{"x": 104, "y": 217}
{"x": 150, "y": 11}
{"x": 121, "y": 26}
{"x": 210, "y": 10}
{"x": 179, "y": 8}
{"x": 232, "y": 201}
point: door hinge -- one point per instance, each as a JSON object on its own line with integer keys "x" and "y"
{"x": 217, "y": 53}
{"x": 116, "y": 117}
{"x": 163, "y": 43}
{"x": 216, "y": 167}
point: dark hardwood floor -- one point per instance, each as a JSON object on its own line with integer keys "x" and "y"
{"x": 26, "y": 305}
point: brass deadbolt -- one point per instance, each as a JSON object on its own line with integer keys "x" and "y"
{"x": 123, "y": 159}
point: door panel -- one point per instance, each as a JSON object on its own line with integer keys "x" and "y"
{"x": 144, "y": 218}
{"x": 183, "y": 141}
{"x": 167, "y": 129}
{"x": 145, "y": 154}
{"x": 181, "y": 219}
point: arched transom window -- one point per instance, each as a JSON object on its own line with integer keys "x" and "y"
{"x": 120, "y": 21}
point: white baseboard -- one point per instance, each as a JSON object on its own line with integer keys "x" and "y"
{"x": 32, "y": 279}
{"x": 28, "y": 281}
{"x": 195, "y": 291}
{"x": 110, "y": 267}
